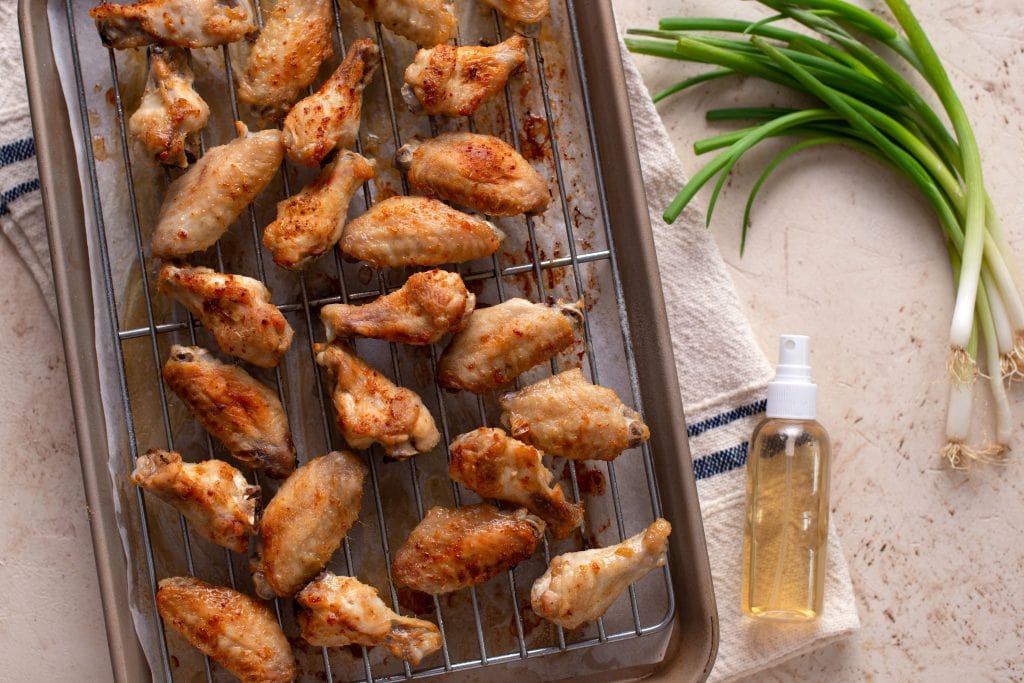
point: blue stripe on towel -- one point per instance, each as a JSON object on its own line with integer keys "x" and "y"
{"x": 19, "y": 150}
{"x": 16, "y": 192}
{"x": 720, "y": 462}
{"x": 725, "y": 418}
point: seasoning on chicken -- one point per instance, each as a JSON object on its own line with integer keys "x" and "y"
{"x": 526, "y": 11}
{"x": 178, "y": 23}
{"x": 424, "y": 22}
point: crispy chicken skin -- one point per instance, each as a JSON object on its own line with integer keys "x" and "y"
{"x": 371, "y": 409}
{"x": 240, "y": 412}
{"x": 455, "y": 81}
{"x": 234, "y": 308}
{"x": 215, "y": 498}
{"x": 287, "y": 54}
{"x": 329, "y": 118}
{"x": 494, "y": 465}
{"x": 477, "y": 171}
{"x": 424, "y": 22}
{"x": 310, "y": 222}
{"x": 171, "y": 111}
{"x": 306, "y": 521}
{"x": 178, "y": 23}
{"x": 338, "y": 610}
{"x": 203, "y": 203}
{"x": 417, "y": 231}
{"x": 236, "y": 631}
{"x": 526, "y": 11}
{"x": 427, "y": 307}
{"x": 501, "y": 342}
{"x": 567, "y": 416}
{"x": 580, "y": 587}
{"x": 457, "y": 548}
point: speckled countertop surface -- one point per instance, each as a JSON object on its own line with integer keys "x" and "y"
{"x": 840, "y": 250}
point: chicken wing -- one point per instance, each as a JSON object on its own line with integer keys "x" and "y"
{"x": 215, "y": 498}
{"x": 417, "y": 231}
{"x": 567, "y": 416}
{"x": 338, "y": 610}
{"x": 494, "y": 465}
{"x": 428, "y": 306}
{"x": 203, "y": 203}
{"x": 526, "y": 11}
{"x": 306, "y": 521}
{"x": 179, "y": 23}
{"x": 455, "y": 81}
{"x": 284, "y": 60}
{"x": 373, "y": 410}
{"x": 457, "y": 548}
{"x": 424, "y": 22}
{"x": 580, "y": 587}
{"x": 234, "y": 308}
{"x": 329, "y": 118}
{"x": 501, "y": 342}
{"x": 236, "y": 631}
{"x": 477, "y": 171}
{"x": 237, "y": 410}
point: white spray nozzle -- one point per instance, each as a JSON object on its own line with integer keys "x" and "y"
{"x": 792, "y": 395}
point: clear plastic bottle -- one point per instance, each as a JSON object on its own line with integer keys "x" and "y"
{"x": 786, "y": 535}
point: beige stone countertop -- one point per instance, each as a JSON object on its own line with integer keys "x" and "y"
{"x": 841, "y": 249}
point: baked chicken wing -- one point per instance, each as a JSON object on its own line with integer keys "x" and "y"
{"x": 310, "y": 222}
{"x": 424, "y": 22}
{"x": 236, "y": 631}
{"x": 234, "y": 308}
{"x": 329, "y": 118}
{"x": 306, "y": 521}
{"x": 171, "y": 111}
{"x": 417, "y": 231}
{"x": 580, "y": 587}
{"x": 457, "y": 548}
{"x": 179, "y": 23}
{"x": 494, "y": 465}
{"x": 338, "y": 610}
{"x": 240, "y": 412}
{"x": 567, "y": 416}
{"x": 428, "y": 306}
{"x": 526, "y": 11}
{"x": 203, "y": 203}
{"x": 455, "y": 81}
{"x": 373, "y": 410}
{"x": 477, "y": 171}
{"x": 501, "y": 342}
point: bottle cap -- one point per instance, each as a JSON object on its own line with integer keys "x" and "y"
{"x": 792, "y": 395}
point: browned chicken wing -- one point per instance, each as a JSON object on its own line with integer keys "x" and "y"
{"x": 417, "y": 231}
{"x": 455, "y": 81}
{"x": 427, "y": 307}
{"x": 237, "y": 410}
{"x": 310, "y": 223}
{"x": 236, "y": 631}
{"x": 179, "y": 23}
{"x": 526, "y": 11}
{"x": 373, "y": 410}
{"x": 424, "y": 22}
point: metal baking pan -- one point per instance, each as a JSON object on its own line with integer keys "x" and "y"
{"x": 685, "y": 639}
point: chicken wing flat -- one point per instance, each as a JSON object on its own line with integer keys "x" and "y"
{"x": 457, "y": 548}
{"x": 427, "y": 307}
{"x": 215, "y": 498}
{"x": 329, "y": 118}
{"x": 306, "y": 521}
{"x": 171, "y": 111}
{"x": 287, "y": 54}
{"x": 567, "y": 416}
{"x": 580, "y": 587}
{"x": 501, "y": 342}
{"x": 236, "y": 631}
{"x": 310, "y": 222}
{"x": 240, "y": 412}
{"x": 203, "y": 203}
{"x": 371, "y": 409}
{"x": 477, "y": 171}
{"x": 338, "y": 610}
{"x": 526, "y": 11}
{"x": 494, "y": 465}
{"x": 424, "y": 22}
{"x": 417, "y": 231}
{"x": 455, "y": 81}
{"x": 178, "y": 23}
{"x": 234, "y": 308}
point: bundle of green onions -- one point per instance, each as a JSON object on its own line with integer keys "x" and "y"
{"x": 840, "y": 54}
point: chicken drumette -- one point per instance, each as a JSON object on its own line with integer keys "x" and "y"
{"x": 424, "y": 22}
{"x": 526, "y": 11}
{"x": 178, "y": 23}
